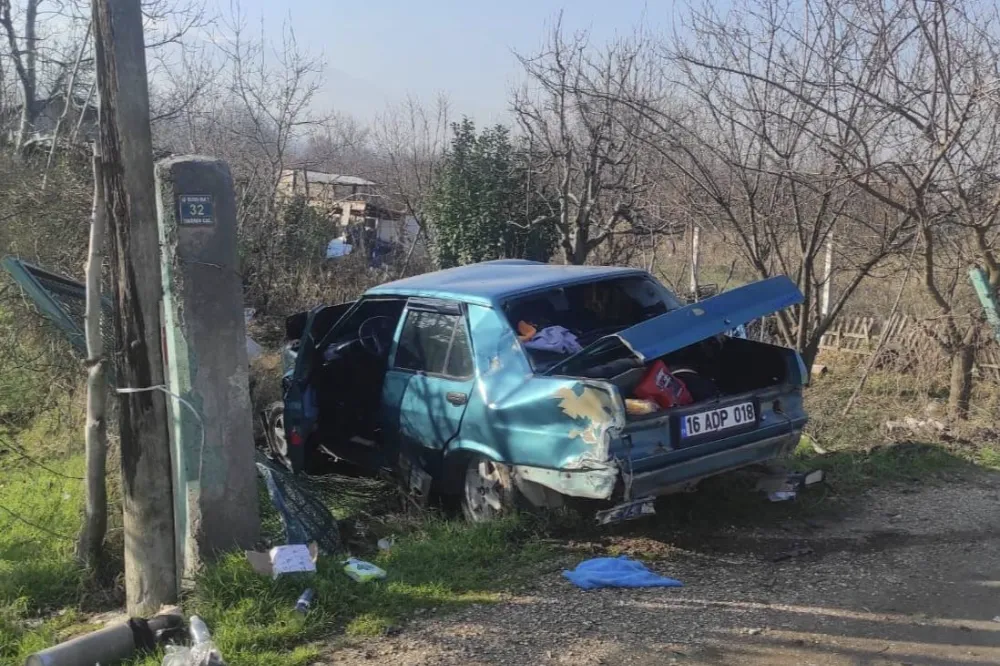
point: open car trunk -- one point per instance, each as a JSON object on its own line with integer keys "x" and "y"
{"x": 691, "y": 341}
{"x": 682, "y": 327}
{"x": 710, "y": 370}
{"x": 738, "y": 391}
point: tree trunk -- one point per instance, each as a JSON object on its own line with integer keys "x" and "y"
{"x": 809, "y": 353}
{"x": 29, "y": 77}
{"x": 960, "y": 390}
{"x": 89, "y": 547}
{"x": 575, "y": 248}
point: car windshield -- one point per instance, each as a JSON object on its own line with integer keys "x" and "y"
{"x": 558, "y": 322}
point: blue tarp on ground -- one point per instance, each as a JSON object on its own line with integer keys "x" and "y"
{"x": 616, "y": 572}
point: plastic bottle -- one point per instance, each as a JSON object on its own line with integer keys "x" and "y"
{"x": 199, "y": 631}
{"x": 302, "y": 607}
{"x": 202, "y": 651}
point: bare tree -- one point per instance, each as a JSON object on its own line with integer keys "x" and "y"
{"x": 898, "y": 101}
{"x": 584, "y": 137}
{"x": 23, "y": 52}
{"x": 409, "y": 140}
{"x": 255, "y": 126}
{"x": 47, "y": 46}
{"x": 275, "y": 96}
{"x": 68, "y": 103}
{"x": 341, "y": 145}
{"x": 757, "y": 156}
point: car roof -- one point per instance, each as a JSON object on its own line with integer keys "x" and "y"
{"x": 491, "y": 282}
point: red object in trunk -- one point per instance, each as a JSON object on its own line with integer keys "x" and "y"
{"x": 662, "y": 387}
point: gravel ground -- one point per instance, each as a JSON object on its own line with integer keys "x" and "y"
{"x": 906, "y": 576}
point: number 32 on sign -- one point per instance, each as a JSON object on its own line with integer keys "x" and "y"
{"x": 196, "y": 209}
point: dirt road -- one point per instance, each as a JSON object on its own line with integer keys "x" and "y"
{"x": 905, "y": 576}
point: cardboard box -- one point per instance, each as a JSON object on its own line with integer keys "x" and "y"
{"x": 291, "y": 558}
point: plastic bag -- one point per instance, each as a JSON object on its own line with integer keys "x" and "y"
{"x": 203, "y": 652}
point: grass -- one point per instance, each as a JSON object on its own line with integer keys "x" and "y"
{"x": 435, "y": 564}
{"x": 38, "y": 575}
{"x": 850, "y": 472}
{"x": 989, "y": 457}
{"x": 860, "y": 453}
{"x": 45, "y": 597}
{"x": 441, "y": 565}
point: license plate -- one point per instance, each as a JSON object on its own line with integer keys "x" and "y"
{"x": 628, "y": 511}
{"x": 717, "y": 420}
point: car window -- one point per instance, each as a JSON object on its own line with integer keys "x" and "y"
{"x": 459, "y": 363}
{"x": 435, "y": 343}
{"x": 583, "y": 313}
{"x": 347, "y": 328}
{"x": 592, "y": 309}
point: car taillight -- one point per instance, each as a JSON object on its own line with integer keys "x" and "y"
{"x": 295, "y": 439}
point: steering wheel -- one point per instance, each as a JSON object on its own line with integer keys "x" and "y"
{"x": 371, "y": 335}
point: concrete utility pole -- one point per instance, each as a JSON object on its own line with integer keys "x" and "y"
{"x": 215, "y": 479}
{"x": 127, "y": 165}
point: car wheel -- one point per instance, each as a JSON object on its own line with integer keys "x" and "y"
{"x": 277, "y": 444}
{"x": 487, "y": 490}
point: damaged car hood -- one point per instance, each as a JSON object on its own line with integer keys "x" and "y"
{"x": 685, "y": 326}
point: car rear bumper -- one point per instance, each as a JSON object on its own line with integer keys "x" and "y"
{"x": 663, "y": 480}
{"x": 602, "y": 480}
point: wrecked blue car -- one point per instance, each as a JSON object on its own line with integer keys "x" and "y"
{"x": 514, "y": 383}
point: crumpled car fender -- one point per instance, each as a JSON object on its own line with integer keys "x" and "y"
{"x": 460, "y": 446}
{"x": 594, "y": 480}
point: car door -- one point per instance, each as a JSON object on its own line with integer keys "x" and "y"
{"x": 430, "y": 377}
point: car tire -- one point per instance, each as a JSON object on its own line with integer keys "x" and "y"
{"x": 488, "y": 492}
{"x": 277, "y": 444}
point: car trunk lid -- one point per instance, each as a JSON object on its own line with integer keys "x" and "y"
{"x": 682, "y": 327}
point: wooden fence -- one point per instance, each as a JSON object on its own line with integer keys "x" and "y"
{"x": 904, "y": 336}
{"x": 860, "y": 335}
{"x": 988, "y": 362}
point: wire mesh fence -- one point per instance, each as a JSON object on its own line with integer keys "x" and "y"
{"x": 63, "y": 302}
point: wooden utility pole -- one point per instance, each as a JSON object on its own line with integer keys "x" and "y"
{"x": 133, "y": 243}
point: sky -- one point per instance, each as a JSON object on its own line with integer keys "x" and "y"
{"x": 380, "y": 51}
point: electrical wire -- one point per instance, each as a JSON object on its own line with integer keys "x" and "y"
{"x": 27, "y": 522}
{"x": 126, "y": 390}
{"x": 16, "y": 449}
{"x": 191, "y": 408}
